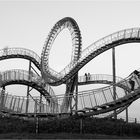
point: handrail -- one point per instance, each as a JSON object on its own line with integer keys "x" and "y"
{"x": 115, "y": 39}
{"x": 19, "y": 74}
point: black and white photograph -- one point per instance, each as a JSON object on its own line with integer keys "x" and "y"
{"x": 69, "y": 69}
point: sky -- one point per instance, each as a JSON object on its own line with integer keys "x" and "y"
{"x": 26, "y": 24}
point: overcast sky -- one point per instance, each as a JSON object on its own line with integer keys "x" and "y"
{"x": 26, "y": 24}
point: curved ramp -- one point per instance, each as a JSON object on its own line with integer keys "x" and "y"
{"x": 103, "y": 79}
{"x": 7, "y": 53}
{"x": 18, "y": 76}
{"x": 121, "y": 101}
{"x": 11, "y": 102}
{"x": 16, "y": 105}
{"x": 91, "y": 102}
{"x": 121, "y": 37}
{"x": 94, "y": 102}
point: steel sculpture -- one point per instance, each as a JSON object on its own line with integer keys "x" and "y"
{"x": 91, "y": 102}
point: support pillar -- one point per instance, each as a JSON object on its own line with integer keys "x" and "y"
{"x": 73, "y": 100}
{"x": 127, "y": 114}
{"x": 81, "y": 125}
{"x": 114, "y": 78}
{"x": 28, "y": 88}
{"x": 76, "y": 93}
{"x": 36, "y": 117}
{"x": 40, "y": 106}
{"x": 126, "y": 110}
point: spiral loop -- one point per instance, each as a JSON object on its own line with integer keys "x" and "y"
{"x": 69, "y": 23}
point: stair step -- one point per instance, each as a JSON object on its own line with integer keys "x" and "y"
{"x": 103, "y": 106}
{"x": 111, "y": 104}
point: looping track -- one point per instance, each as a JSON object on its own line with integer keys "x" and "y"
{"x": 121, "y": 37}
{"x": 93, "y": 102}
{"x": 73, "y": 28}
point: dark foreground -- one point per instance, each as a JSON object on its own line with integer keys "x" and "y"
{"x": 67, "y": 128}
{"x": 60, "y": 136}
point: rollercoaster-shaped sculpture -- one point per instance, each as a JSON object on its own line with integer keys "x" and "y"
{"x": 91, "y": 102}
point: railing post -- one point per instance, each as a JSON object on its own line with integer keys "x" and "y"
{"x": 135, "y": 120}
{"x": 14, "y": 104}
{"x": 2, "y": 98}
{"x": 21, "y": 108}
{"x": 10, "y": 107}
{"x": 5, "y": 98}
{"x": 18, "y": 104}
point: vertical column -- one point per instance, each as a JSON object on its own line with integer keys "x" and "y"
{"x": 28, "y": 88}
{"x": 69, "y": 102}
{"x": 81, "y": 125}
{"x": 37, "y": 124}
{"x": 40, "y": 104}
{"x": 114, "y": 78}
{"x": 73, "y": 98}
{"x": 35, "y": 107}
{"x": 36, "y": 117}
{"x": 126, "y": 110}
{"x": 127, "y": 114}
{"x": 76, "y": 94}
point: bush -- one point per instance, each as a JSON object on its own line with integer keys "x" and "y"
{"x": 70, "y": 125}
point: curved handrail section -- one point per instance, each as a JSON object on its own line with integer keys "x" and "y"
{"x": 121, "y": 37}
{"x": 103, "y": 79}
{"x": 18, "y": 76}
{"x": 17, "y": 104}
{"x": 102, "y": 100}
{"x": 7, "y": 53}
{"x": 118, "y": 111}
{"x": 94, "y": 102}
{"x": 97, "y": 77}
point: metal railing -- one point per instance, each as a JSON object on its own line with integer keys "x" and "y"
{"x": 128, "y": 34}
{"x": 20, "y": 51}
{"x": 17, "y": 104}
{"x": 98, "y": 77}
{"x": 86, "y": 99}
{"x": 18, "y": 74}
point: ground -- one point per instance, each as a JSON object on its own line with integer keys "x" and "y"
{"x": 59, "y": 136}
